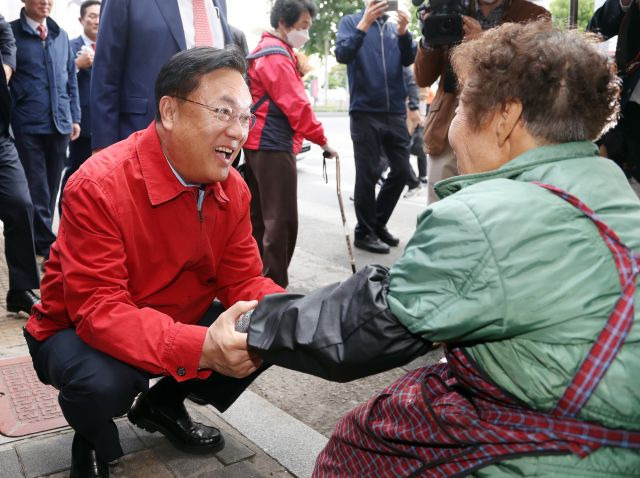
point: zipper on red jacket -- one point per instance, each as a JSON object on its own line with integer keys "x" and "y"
{"x": 200, "y": 202}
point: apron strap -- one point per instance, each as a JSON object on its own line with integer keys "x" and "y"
{"x": 615, "y": 331}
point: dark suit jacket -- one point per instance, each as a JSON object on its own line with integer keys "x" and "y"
{"x": 7, "y": 57}
{"x": 136, "y": 38}
{"x": 84, "y": 86}
{"x": 610, "y": 20}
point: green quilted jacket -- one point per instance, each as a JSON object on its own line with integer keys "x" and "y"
{"x": 526, "y": 281}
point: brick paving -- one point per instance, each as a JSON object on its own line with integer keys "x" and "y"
{"x": 146, "y": 455}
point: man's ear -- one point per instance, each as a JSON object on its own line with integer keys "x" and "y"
{"x": 168, "y": 108}
{"x": 507, "y": 119}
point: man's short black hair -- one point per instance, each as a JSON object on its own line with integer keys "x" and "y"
{"x": 182, "y": 73}
{"x": 289, "y": 11}
{"x": 86, "y": 4}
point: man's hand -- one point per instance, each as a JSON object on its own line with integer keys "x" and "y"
{"x": 224, "y": 349}
{"x": 403, "y": 21}
{"x": 373, "y": 11}
{"x": 413, "y": 119}
{"x": 85, "y": 59}
{"x": 8, "y": 71}
{"x": 75, "y": 131}
{"x": 471, "y": 27}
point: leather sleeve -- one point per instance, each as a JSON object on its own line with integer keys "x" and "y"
{"x": 340, "y": 332}
{"x": 429, "y": 64}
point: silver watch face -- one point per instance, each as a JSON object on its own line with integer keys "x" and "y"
{"x": 242, "y": 324}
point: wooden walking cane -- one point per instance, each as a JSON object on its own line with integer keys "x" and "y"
{"x": 242, "y": 324}
{"x": 325, "y": 155}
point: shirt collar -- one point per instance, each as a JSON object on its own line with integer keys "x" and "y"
{"x": 177, "y": 174}
{"x": 528, "y": 160}
{"x": 34, "y": 25}
{"x": 87, "y": 41}
{"x": 163, "y": 183}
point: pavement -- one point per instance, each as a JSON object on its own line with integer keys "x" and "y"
{"x": 261, "y": 440}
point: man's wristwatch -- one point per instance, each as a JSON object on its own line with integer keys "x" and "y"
{"x": 242, "y": 324}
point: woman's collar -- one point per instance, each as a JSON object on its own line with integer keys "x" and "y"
{"x": 534, "y": 157}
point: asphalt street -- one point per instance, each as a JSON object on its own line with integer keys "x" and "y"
{"x": 321, "y": 258}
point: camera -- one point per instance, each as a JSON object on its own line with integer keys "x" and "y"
{"x": 443, "y": 26}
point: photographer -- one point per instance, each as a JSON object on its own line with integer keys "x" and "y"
{"x": 432, "y": 63}
{"x": 375, "y": 50}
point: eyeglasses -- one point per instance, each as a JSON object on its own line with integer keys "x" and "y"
{"x": 225, "y": 114}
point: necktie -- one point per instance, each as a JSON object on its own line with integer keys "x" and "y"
{"x": 93, "y": 45}
{"x": 201, "y": 24}
{"x": 43, "y": 32}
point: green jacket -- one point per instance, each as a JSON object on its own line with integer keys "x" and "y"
{"x": 526, "y": 281}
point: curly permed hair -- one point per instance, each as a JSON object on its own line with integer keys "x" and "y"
{"x": 568, "y": 87}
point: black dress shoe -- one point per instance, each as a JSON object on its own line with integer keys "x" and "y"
{"x": 195, "y": 398}
{"x": 175, "y": 423}
{"x": 385, "y": 236}
{"x": 371, "y": 243}
{"x": 84, "y": 463}
{"x": 21, "y": 300}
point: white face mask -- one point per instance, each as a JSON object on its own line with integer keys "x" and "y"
{"x": 297, "y": 38}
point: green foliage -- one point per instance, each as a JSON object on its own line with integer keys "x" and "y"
{"x": 560, "y": 12}
{"x": 325, "y": 23}
{"x": 414, "y": 24}
{"x": 338, "y": 76}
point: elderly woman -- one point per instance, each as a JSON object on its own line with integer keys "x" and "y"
{"x": 525, "y": 271}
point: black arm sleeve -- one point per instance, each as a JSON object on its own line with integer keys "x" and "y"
{"x": 340, "y": 332}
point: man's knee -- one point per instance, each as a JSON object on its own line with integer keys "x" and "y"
{"x": 101, "y": 393}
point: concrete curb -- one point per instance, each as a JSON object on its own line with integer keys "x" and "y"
{"x": 286, "y": 439}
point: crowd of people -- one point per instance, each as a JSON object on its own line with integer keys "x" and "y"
{"x": 523, "y": 266}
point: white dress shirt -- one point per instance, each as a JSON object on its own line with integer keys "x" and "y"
{"x": 34, "y": 25}
{"x": 186, "y": 14}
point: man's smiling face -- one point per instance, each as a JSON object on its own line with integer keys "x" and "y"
{"x": 201, "y": 146}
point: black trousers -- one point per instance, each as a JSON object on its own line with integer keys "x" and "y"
{"x": 623, "y": 141}
{"x": 16, "y": 213}
{"x": 372, "y": 134}
{"x": 95, "y": 388}
{"x": 79, "y": 151}
{"x": 42, "y": 157}
{"x": 416, "y": 149}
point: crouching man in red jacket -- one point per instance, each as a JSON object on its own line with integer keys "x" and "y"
{"x": 154, "y": 229}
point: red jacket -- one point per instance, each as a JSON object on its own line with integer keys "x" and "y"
{"x": 285, "y": 117}
{"x": 135, "y": 265}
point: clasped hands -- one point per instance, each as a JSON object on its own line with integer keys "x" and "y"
{"x": 225, "y": 350}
